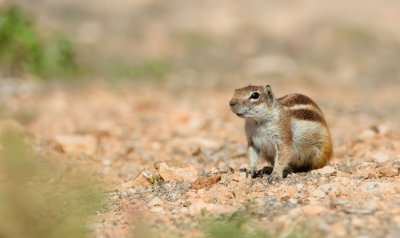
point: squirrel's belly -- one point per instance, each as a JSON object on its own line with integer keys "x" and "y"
{"x": 307, "y": 140}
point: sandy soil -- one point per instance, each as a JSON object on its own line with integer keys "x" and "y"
{"x": 117, "y": 133}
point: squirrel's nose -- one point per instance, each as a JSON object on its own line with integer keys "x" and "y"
{"x": 232, "y": 103}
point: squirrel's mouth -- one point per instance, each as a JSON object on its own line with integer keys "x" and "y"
{"x": 239, "y": 114}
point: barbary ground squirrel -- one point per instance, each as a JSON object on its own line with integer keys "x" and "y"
{"x": 289, "y": 132}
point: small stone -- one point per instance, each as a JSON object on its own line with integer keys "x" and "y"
{"x": 142, "y": 180}
{"x": 292, "y": 200}
{"x": 187, "y": 204}
{"x": 214, "y": 171}
{"x": 359, "y": 211}
{"x": 175, "y": 171}
{"x": 157, "y": 209}
{"x": 387, "y": 172}
{"x": 196, "y": 150}
{"x": 383, "y": 129}
{"x": 380, "y": 157}
{"x": 367, "y": 134}
{"x": 206, "y": 182}
{"x": 313, "y": 210}
{"x": 285, "y": 198}
{"x": 327, "y": 170}
{"x": 77, "y": 144}
{"x": 340, "y": 202}
{"x": 318, "y": 193}
{"x": 155, "y": 201}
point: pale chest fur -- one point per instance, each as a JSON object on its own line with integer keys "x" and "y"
{"x": 263, "y": 137}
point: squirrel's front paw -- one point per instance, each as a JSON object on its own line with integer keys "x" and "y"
{"x": 274, "y": 178}
{"x": 251, "y": 172}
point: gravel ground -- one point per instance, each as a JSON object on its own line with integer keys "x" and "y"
{"x": 148, "y": 145}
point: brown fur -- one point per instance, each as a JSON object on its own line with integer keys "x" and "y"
{"x": 296, "y": 99}
{"x": 309, "y": 115}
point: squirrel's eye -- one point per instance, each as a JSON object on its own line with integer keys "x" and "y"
{"x": 255, "y": 95}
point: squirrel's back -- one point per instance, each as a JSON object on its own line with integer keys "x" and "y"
{"x": 309, "y": 127}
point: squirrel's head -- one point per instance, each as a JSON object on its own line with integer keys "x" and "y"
{"x": 253, "y": 102}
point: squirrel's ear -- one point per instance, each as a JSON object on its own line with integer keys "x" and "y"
{"x": 270, "y": 96}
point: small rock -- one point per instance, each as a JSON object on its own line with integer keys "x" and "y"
{"x": 318, "y": 193}
{"x": 380, "y": 157}
{"x": 367, "y": 134}
{"x": 175, "y": 171}
{"x": 206, "y": 181}
{"x": 327, "y": 170}
{"x": 143, "y": 179}
{"x": 292, "y": 200}
{"x": 313, "y": 210}
{"x": 187, "y": 204}
{"x": 383, "y": 129}
{"x": 157, "y": 209}
{"x": 196, "y": 150}
{"x": 359, "y": 211}
{"x": 214, "y": 171}
{"x": 77, "y": 144}
{"x": 155, "y": 201}
{"x": 340, "y": 202}
{"x": 285, "y": 198}
{"x": 387, "y": 172}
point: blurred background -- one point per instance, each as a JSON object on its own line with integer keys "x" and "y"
{"x": 347, "y": 43}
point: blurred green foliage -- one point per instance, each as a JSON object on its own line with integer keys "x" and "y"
{"x": 39, "y": 199}
{"x": 244, "y": 223}
{"x": 24, "y": 50}
{"x": 234, "y": 225}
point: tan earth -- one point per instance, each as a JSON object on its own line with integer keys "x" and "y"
{"x": 170, "y": 160}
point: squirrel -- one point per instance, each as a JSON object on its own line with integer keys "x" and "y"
{"x": 289, "y": 132}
